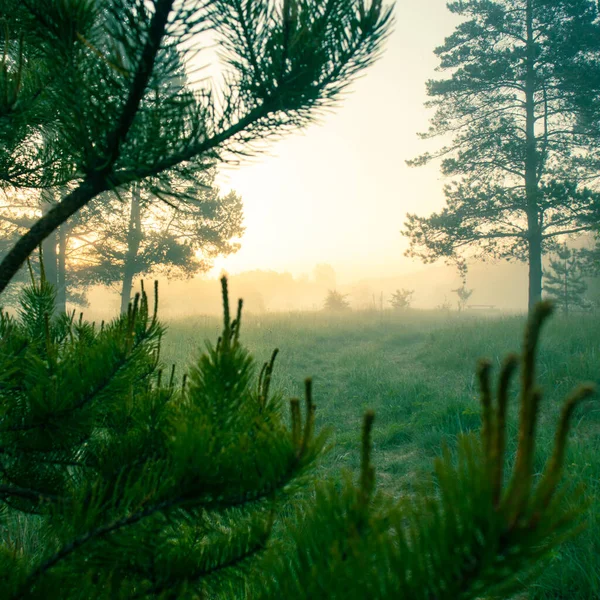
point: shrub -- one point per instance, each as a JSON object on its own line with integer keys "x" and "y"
{"x": 402, "y": 299}
{"x": 336, "y": 302}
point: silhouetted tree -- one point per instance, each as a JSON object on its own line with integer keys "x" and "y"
{"x": 84, "y": 97}
{"x": 401, "y": 299}
{"x": 565, "y": 283}
{"x": 511, "y": 114}
{"x": 336, "y": 302}
{"x": 120, "y": 240}
{"x": 463, "y": 293}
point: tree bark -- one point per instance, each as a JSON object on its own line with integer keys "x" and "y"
{"x": 49, "y": 257}
{"x": 534, "y": 232}
{"x": 134, "y": 239}
{"x": 78, "y": 198}
{"x": 61, "y": 279}
{"x": 567, "y": 287}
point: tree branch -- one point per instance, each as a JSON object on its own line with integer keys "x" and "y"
{"x": 95, "y": 182}
{"x": 27, "y": 494}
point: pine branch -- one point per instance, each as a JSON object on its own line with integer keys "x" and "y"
{"x": 27, "y": 494}
{"x": 100, "y": 386}
{"x": 351, "y": 44}
{"x": 88, "y": 537}
{"x": 461, "y": 537}
{"x": 156, "y": 33}
{"x": 202, "y": 574}
{"x": 95, "y": 183}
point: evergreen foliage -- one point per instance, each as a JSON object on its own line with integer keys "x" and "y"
{"x": 513, "y": 106}
{"x": 475, "y": 531}
{"x": 118, "y": 482}
{"x": 85, "y": 101}
{"x": 565, "y": 283}
{"x": 128, "y": 484}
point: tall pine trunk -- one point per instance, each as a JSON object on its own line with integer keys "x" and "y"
{"x": 134, "y": 239}
{"x": 534, "y": 230}
{"x": 49, "y": 255}
{"x": 567, "y": 287}
{"x": 61, "y": 275}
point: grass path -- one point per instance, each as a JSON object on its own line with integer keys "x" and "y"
{"x": 416, "y": 371}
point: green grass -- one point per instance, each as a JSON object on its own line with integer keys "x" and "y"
{"x": 416, "y": 370}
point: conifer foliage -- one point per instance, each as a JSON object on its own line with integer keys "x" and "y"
{"x": 512, "y": 106}
{"x": 468, "y": 534}
{"x": 118, "y": 482}
{"x": 84, "y": 98}
{"x": 127, "y": 484}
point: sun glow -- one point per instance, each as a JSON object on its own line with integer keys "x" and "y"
{"x": 339, "y": 191}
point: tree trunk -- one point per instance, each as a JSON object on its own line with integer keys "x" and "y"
{"x": 49, "y": 257}
{"x": 61, "y": 279}
{"x": 134, "y": 239}
{"x": 567, "y": 287}
{"x": 534, "y": 230}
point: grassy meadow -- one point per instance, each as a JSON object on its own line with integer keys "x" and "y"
{"x": 417, "y": 371}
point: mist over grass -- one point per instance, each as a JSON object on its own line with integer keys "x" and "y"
{"x": 417, "y": 371}
{"x": 501, "y": 286}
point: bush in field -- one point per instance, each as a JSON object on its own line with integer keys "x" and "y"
{"x": 336, "y": 302}
{"x": 463, "y": 293}
{"x": 118, "y": 482}
{"x": 445, "y": 306}
{"x": 402, "y": 299}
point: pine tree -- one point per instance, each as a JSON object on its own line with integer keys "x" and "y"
{"x": 465, "y": 535}
{"x": 511, "y": 105}
{"x": 128, "y": 484}
{"x": 565, "y": 283}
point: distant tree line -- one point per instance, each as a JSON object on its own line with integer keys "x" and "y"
{"x": 126, "y": 235}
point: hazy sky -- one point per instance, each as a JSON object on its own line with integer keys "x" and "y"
{"x": 338, "y": 191}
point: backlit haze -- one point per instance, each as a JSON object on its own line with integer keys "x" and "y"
{"x": 338, "y": 191}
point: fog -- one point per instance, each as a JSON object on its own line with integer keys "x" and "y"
{"x": 392, "y": 406}
{"x": 337, "y": 193}
{"x": 496, "y": 287}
